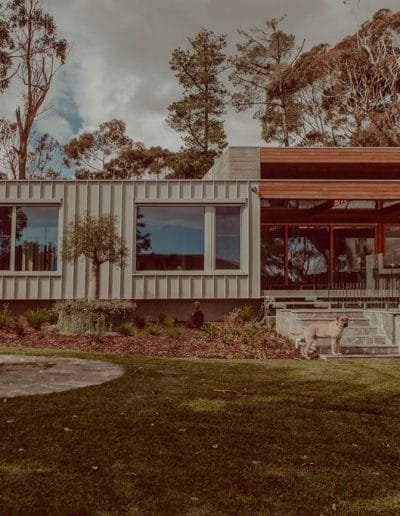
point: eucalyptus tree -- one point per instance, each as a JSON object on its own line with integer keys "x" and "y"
{"x": 31, "y": 54}
{"x": 264, "y": 82}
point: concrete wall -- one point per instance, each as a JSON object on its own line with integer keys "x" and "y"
{"x": 121, "y": 199}
{"x": 237, "y": 163}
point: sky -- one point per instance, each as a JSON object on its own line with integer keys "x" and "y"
{"x": 119, "y": 62}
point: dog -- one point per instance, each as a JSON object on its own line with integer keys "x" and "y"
{"x": 333, "y": 329}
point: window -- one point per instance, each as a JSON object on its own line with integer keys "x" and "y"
{"x": 28, "y": 238}
{"x": 352, "y": 245}
{"x": 36, "y": 238}
{"x": 392, "y": 246}
{"x": 308, "y": 255}
{"x": 5, "y": 237}
{"x": 227, "y": 249}
{"x": 170, "y": 238}
{"x": 272, "y": 256}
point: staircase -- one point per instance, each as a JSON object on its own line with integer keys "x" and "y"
{"x": 365, "y": 336}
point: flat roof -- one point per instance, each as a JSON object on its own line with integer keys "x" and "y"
{"x": 330, "y": 155}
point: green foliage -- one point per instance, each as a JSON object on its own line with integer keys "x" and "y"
{"x": 210, "y": 329}
{"x": 97, "y": 239}
{"x": 81, "y": 316}
{"x": 198, "y": 114}
{"x": 245, "y": 313}
{"x": 264, "y": 80}
{"x": 5, "y": 317}
{"x": 141, "y": 321}
{"x": 36, "y": 54}
{"x": 36, "y": 318}
{"x": 51, "y": 315}
{"x": 166, "y": 320}
{"x": 176, "y": 331}
{"x": 19, "y": 328}
{"x": 127, "y": 329}
{"x": 153, "y": 329}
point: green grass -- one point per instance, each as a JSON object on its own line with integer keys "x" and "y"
{"x": 208, "y": 437}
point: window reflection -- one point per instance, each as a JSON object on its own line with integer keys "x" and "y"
{"x": 351, "y": 247}
{"x": 392, "y": 246}
{"x": 5, "y": 237}
{"x": 170, "y": 238}
{"x": 36, "y": 238}
{"x": 227, "y": 237}
{"x": 272, "y": 256}
{"x": 308, "y": 255}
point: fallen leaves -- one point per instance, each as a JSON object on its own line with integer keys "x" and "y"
{"x": 194, "y": 343}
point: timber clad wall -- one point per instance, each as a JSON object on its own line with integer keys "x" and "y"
{"x": 121, "y": 199}
{"x": 318, "y": 189}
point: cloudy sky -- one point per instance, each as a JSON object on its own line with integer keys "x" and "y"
{"x": 119, "y": 63}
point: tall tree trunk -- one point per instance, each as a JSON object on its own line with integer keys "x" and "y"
{"x": 94, "y": 281}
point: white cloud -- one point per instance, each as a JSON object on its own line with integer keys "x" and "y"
{"x": 119, "y": 63}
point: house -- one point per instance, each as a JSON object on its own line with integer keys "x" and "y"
{"x": 285, "y": 223}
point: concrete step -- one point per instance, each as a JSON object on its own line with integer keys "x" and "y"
{"x": 314, "y": 315}
{"x": 363, "y": 340}
{"x": 358, "y": 356}
{"x": 353, "y": 323}
{"x": 362, "y": 350}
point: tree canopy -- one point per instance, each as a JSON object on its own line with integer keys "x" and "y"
{"x": 198, "y": 115}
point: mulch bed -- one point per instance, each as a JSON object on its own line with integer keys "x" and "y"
{"x": 194, "y": 344}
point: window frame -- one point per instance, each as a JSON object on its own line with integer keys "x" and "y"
{"x": 20, "y": 203}
{"x": 209, "y": 239}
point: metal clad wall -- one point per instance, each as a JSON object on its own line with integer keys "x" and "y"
{"x": 121, "y": 198}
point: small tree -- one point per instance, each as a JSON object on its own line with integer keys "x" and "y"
{"x": 97, "y": 240}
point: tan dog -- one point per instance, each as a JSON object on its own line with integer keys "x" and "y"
{"x": 333, "y": 329}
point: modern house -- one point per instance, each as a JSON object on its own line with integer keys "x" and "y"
{"x": 287, "y": 224}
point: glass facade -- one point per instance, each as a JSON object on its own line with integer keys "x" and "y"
{"x": 170, "y": 238}
{"x": 272, "y": 256}
{"x": 227, "y": 227}
{"x": 392, "y": 246}
{"x": 318, "y": 256}
{"x": 308, "y": 255}
{"x": 36, "y": 239}
{"x": 351, "y": 247}
{"x": 5, "y": 237}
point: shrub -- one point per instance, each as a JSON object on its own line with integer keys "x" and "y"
{"x": 141, "y": 321}
{"x": 166, "y": 320}
{"x": 127, "y": 329}
{"x": 35, "y": 318}
{"x": 51, "y": 316}
{"x": 210, "y": 329}
{"x": 245, "y": 313}
{"x": 5, "y": 317}
{"x": 83, "y": 316}
{"x": 153, "y": 329}
{"x": 19, "y": 327}
{"x": 239, "y": 316}
{"x": 175, "y": 331}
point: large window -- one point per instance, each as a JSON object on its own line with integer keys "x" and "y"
{"x": 272, "y": 256}
{"x": 36, "y": 238}
{"x": 392, "y": 246}
{"x": 170, "y": 238}
{"x": 351, "y": 247}
{"x": 5, "y": 237}
{"x": 308, "y": 255}
{"x": 28, "y": 238}
{"x": 227, "y": 253}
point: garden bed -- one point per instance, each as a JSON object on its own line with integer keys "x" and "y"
{"x": 194, "y": 343}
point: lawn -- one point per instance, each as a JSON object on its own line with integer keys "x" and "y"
{"x": 205, "y": 437}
